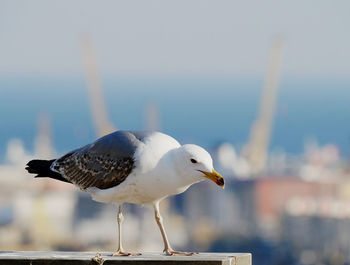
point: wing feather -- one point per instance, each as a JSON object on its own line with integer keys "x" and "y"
{"x": 103, "y": 164}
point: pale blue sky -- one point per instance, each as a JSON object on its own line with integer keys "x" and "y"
{"x": 175, "y": 37}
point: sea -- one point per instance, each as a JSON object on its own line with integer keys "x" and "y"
{"x": 201, "y": 109}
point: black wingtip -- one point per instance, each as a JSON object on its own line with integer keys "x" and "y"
{"x": 38, "y": 166}
{"x": 31, "y": 170}
{"x": 43, "y": 169}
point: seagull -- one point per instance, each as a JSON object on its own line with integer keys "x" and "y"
{"x": 137, "y": 167}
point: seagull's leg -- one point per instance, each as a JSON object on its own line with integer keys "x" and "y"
{"x": 120, "y": 218}
{"x": 167, "y": 248}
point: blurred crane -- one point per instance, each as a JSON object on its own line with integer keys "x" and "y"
{"x": 43, "y": 142}
{"x": 152, "y": 117}
{"x": 256, "y": 151}
{"x": 100, "y": 118}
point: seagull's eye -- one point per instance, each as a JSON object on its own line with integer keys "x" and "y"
{"x": 194, "y": 161}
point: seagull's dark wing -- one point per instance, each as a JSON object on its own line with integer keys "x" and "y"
{"x": 103, "y": 164}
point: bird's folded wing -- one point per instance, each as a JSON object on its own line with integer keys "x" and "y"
{"x": 103, "y": 164}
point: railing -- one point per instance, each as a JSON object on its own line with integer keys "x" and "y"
{"x": 93, "y": 258}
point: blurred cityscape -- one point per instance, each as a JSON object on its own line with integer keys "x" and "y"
{"x": 277, "y": 126}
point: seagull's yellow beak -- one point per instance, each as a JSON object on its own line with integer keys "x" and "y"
{"x": 214, "y": 176}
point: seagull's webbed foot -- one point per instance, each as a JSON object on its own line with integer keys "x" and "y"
{"x": 122, "y": 253}
{"x": 171, "y": 252}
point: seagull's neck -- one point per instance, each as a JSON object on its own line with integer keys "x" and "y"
{"x": 166, "y": 177}
{"x": 182, "y": 177}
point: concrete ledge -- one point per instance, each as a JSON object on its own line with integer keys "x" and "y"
{"x": 105, "y": 258}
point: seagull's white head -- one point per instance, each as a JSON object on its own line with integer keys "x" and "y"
{"x": 195, "y": 163}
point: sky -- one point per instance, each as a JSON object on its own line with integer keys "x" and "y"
{"x": 174, "y": 37}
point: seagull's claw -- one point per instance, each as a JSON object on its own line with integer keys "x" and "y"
{"x": 120, "y": 253}
{"x": 171, "y": 252}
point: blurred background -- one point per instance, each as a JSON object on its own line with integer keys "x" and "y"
{"x": 263, "y": 85}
